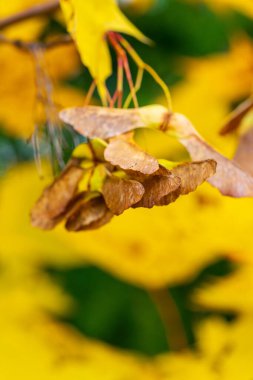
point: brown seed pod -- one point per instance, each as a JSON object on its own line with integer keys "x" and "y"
{"x": 104, "y": 123}
{"x": 193, "y": 174}
{"x": 244, "y": 153}
{"x": 89, "y": 216}
{"x": 230, "y": 179}
{"x": 120, "y": 194}
{"x": 128, "y": 156}
{"x": 49, "y": 210}
{"x": 157, "y": 187}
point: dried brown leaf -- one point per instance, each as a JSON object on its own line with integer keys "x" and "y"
{"x": 140, "y": 177}
{"x": 156, "y": 188}
{"x": 104, "y": 123}
{"x": 54, "y": 201}
{"x": 120, "y": 194}
{"x": 170, "y": 198}
{"x": 230, "y": 179}
{"x": 235, "y": 118}
{"x": 193, "y": 174}
{"x": 129, "y": 156}
{"x": 244, "y": 153}
{"x": 89, "y": 216}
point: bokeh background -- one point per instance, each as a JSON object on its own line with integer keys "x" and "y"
{"x": 88, "y": 305}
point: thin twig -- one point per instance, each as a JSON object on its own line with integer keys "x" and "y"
{"x": 35, "y": 11}
{"x": 65, "y": 39}
{"x": 171, "y": 319}
{"x": 28, "y": 46}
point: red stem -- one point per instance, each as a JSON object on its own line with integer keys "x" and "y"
{"x": 121, "y": 54}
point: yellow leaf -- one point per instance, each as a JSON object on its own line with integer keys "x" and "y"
{"x": 22, "y": 77}
{"x": 211, "y": 85}
{"x": 98, "y": 146}
{"x": 88, "y": 22}
{"x": 175, "y": 367}
{"x": 54, "y": 352}
{"x": 98, "y": 178}
{"x": 224, "y": 352}
{"x": 26, "y": 30}
{"x": 231, "y": 293}
{"x": 168, "y": 164}
{"x": 82, "y": 151}
{"x": 227, "y": 347}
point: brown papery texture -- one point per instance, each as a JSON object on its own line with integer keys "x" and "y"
{"x": 53, "y": 203}
{"x": 230, "y": 179}
{"x": 120, "y": 194}
{"x": 235, "y": 118}
{"x": 101, "y": 122}
{"x": 129, "y": 156}
{"x": 90, "y": 215}
{"x": 244, "y": 152}
{"x": 157, "y": 187}
{"x": 193, "y": 174}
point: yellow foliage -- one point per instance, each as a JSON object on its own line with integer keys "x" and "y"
{"x": 18, "y": 90}
{"x": 151, "y": 248}
{"x": 53, "y": 352}
{"x": 177, "y": 367}
{"x": 33, "y": 345}
{"x": 228, "y": 348}
{"x": 26, "y": 293}
{"x": 89, "y": 22}
{"x": 231, "y": 293}
{"x": 224, "y": 352}
{"x": 26, "y": 30}
{"x": 62, "y": 61}
{"x": 211, "y": 85}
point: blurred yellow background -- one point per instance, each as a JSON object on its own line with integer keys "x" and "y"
{"x": 86, "y": 306}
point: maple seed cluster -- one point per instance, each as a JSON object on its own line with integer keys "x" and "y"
{"x": 110, "y": 173}
{"x": 104, "y": 179}
{"x": 232, "y": 178}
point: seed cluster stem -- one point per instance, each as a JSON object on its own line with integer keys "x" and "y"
{"x": 28, "y": 46}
